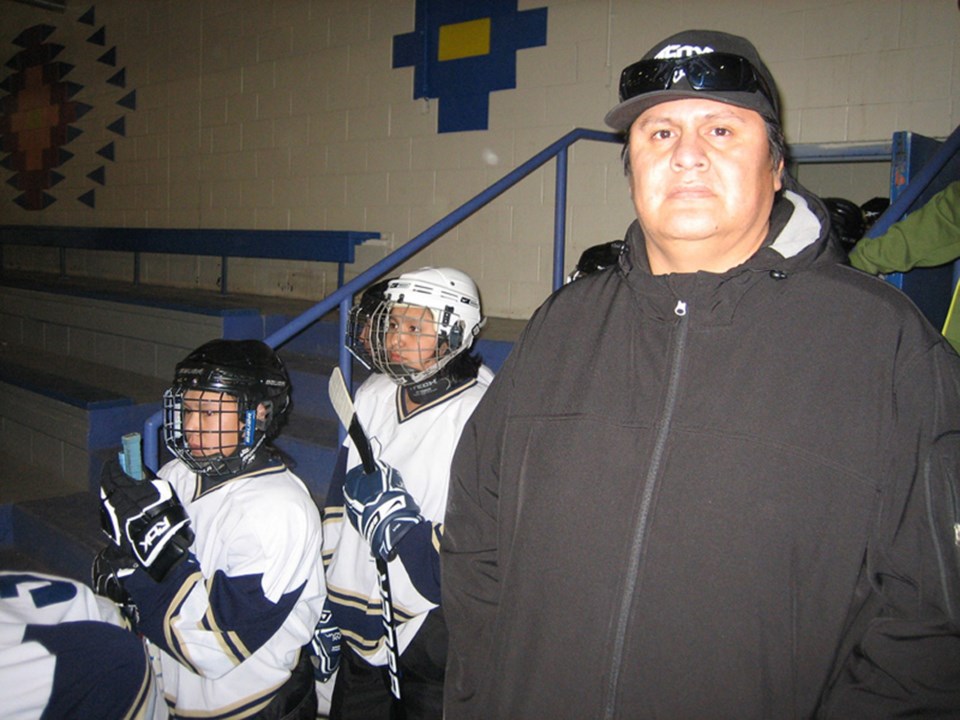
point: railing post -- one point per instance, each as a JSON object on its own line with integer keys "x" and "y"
{"x": 151, "y": 444}
{"x": 346, "y": 365}
{"x": 560, "y": 218}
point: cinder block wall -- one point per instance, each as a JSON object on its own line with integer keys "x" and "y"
{"x": 275, "y": 115}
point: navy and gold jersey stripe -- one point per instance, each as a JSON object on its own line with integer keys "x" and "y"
{"x": 174, "y": 640}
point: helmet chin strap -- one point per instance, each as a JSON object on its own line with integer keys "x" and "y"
{"x": 251, "y": 460}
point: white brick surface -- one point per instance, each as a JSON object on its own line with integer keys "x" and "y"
{"x": 253, "y": 113}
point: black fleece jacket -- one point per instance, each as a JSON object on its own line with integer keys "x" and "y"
{"x": 712, "y": 496}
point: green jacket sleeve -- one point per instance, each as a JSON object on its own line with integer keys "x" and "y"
{"x": 927, "y": 237}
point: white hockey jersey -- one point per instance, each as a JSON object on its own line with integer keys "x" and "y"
{"x": 232, "y": 620}
{"x": 420, "y": 445}
{"x": 65, "y": 652}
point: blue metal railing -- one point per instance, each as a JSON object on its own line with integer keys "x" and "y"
{"x": 343, "y": 296}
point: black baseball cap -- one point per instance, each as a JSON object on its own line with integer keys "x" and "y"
{"x": 716, "y": 65}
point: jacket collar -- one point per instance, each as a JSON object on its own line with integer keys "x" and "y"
{"x": 797, "y": 238}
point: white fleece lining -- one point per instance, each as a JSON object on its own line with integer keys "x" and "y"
{"x": 802, "y": 229}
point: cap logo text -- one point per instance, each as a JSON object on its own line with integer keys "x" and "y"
{"x": 673, "y": 52}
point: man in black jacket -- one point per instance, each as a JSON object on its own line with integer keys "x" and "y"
{"x": 719, "y": 478}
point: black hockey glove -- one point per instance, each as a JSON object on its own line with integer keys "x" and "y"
{"x": 110, "y": 567}
{"x": 326, "y": 646}
{"x": 380, "y": 508}
{"x": 144, "y": 519}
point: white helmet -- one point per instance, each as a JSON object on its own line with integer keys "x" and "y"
{"x": 397, "y": 334}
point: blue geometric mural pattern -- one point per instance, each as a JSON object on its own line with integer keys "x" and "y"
{"x": 462, "y": 50}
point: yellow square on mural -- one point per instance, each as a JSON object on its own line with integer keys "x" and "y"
{"x": 466, "y": 39}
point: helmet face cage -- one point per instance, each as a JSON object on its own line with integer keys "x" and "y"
{"x": 426, "y": 319}
{"x": 358, "y": 322}
{"x": 358, "y": 334}
{"x": 211, "y": 431}
{"x": 406, "y": 342}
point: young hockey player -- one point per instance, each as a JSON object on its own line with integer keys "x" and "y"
{"x": 424, "y": 387}
{"x": 65, "y": 652}
{"x": 227, "y": 541}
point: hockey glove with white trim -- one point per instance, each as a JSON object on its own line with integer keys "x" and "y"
{"x": 326, "y": 645}
{"x": 144, "y": 519}
{"x": 380, "y": 508}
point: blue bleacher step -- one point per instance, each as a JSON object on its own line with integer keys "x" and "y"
{"x": 59, "y": 411}
{"x": 136, "y": 327}
{"x": 60, "y": 534}
{"x": 194, "y": 300}
{"x": 69, "y": 390}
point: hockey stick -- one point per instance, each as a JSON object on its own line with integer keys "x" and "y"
{"x": 343, "y": 405}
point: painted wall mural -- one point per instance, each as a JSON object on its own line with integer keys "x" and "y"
{"x": 39, "y": 114}
{"x": 462, "y": 50}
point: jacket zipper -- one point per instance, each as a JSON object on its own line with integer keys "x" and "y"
{"x": 653, "y": 473}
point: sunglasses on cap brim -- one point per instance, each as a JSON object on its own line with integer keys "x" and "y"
{"x": 717, "y": 72}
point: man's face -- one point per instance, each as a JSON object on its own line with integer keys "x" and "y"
{"x": 411, "y": 337}
{"x": 702, "y": 184}
{"x": 211, "y": 423}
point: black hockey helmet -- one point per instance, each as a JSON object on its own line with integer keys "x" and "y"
{"x": 595, "y": 258}
{"x": 873, "y": 208}
{"x": 252, "y": 374}
{"x": 846, "y": 217}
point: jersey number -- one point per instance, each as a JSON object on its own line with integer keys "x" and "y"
{"x": 51, "y": 593}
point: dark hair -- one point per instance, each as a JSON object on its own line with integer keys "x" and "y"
{"x": 464, "y": 366}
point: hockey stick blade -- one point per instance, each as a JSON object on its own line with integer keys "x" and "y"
{"x": 343, "y": 406}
